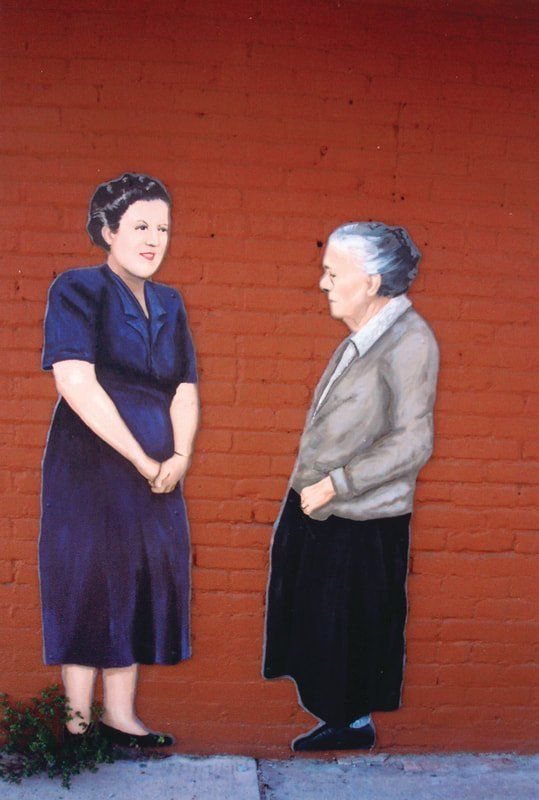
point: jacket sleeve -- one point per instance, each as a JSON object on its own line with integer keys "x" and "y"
{"x": 410, "y": 370}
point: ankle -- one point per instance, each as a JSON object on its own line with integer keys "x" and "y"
{"x": 361, "y": 722}
{"x": 77, "y": 725}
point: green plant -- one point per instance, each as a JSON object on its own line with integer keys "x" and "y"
{"x": 33, "y": 739}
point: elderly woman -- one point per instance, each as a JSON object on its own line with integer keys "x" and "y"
{"x": 336, "y": 605}
{"x": 114, "y": 550}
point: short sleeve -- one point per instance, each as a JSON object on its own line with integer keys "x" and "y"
{"x": 70, "y": 321}
{"x": 189, "y": 366}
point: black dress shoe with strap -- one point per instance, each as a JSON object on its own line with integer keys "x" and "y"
{"x": 327, "y": 738}
{"x": 114, "y": 736}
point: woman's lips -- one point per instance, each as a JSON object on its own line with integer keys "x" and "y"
{"x": 148, "y": 256}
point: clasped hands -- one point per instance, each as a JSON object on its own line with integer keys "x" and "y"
{"x": 163, "y": 478}
{"x": 317, "y": 495}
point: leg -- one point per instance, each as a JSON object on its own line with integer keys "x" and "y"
{"x": 119, "y": 689}
{"x": 79, "y": 684}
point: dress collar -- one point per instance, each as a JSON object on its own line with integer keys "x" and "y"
{"x": 380, "y": 323}
{"x": 133, "y": 310}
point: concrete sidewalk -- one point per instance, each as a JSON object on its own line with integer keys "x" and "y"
{"x": 380, "y": 777}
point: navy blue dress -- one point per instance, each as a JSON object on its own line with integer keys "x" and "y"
{"x": 114, "y": 558}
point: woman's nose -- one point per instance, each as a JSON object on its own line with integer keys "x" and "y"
{"x": 151, "y": 238}
{"x": 323, "y": 283}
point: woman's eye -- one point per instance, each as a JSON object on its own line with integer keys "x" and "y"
{"x": 141, "y": 227}
{"x": 163, "y": 230}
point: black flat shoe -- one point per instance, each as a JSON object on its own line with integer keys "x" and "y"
{"x": 87, "y": 744}
{"x": 68, "y": 737}
{"x": 114, "y": 736}
{"x": 327, "y": 738}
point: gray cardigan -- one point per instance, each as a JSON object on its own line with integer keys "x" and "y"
{"x": 372, "y": 431}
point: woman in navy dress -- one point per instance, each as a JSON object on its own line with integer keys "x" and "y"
{"x": 114, "y": 546}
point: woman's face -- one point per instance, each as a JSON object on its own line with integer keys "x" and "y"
{"x": 349, "y": 288}
{"x": 138, "y": 246}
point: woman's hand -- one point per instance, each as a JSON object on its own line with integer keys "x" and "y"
{"x": 317, "y": 495}
{"x": 170, "y": 474}
{"x": 76, "y": 381}
{"x": 148, "y": 468}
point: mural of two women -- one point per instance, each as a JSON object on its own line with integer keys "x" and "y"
{"x": 114, "y": 548}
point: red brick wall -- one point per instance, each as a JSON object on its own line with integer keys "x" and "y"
{"x": 271, "y": 122}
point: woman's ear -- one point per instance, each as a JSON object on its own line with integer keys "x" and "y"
{"x": 375, "y": 281}
{"x": 107, "y": 234}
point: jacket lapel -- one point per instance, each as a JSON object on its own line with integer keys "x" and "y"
{"x": 363, "y": 341}
{"x": 326, "y": 375}
{"x": 335, "y": 383}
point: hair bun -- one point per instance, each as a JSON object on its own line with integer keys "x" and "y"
{"x": 385, "y": 250}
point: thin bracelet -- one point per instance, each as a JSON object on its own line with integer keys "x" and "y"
{"x": 180, "y": 454}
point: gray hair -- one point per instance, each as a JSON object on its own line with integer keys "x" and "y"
{"x": 384, "y": 250}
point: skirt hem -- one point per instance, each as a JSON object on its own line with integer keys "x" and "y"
{"x": 383, "y": 707}
{"x": 55, "y": 662}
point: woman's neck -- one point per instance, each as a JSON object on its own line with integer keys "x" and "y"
{"x": 135, "y": 283}
{"x": 375, "y": 306}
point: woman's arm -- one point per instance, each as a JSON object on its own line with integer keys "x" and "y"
{"x": 77, "y": 383}
{"x": 184, "y": 414}
{"x": 411, "y": 374}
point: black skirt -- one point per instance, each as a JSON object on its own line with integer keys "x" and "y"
{"x": 336, "y": 611}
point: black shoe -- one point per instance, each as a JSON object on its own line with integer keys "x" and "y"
{"x": 114, "y": 736}
{"x": 327, "y": 738}
{"x": 85, "y": 733}
{"x": 86, "y": 744}
{"x": 69, "y": 738}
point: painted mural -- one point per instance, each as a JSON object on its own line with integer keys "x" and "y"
{"x": 336, "y": 600}
{"x": 114, "y": 552}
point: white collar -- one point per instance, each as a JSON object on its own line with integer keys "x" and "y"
{"x": 380, "y": 323}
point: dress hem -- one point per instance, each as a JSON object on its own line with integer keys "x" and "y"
{"x": 356, "y": 715}
{"x": 162, "y": 662}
